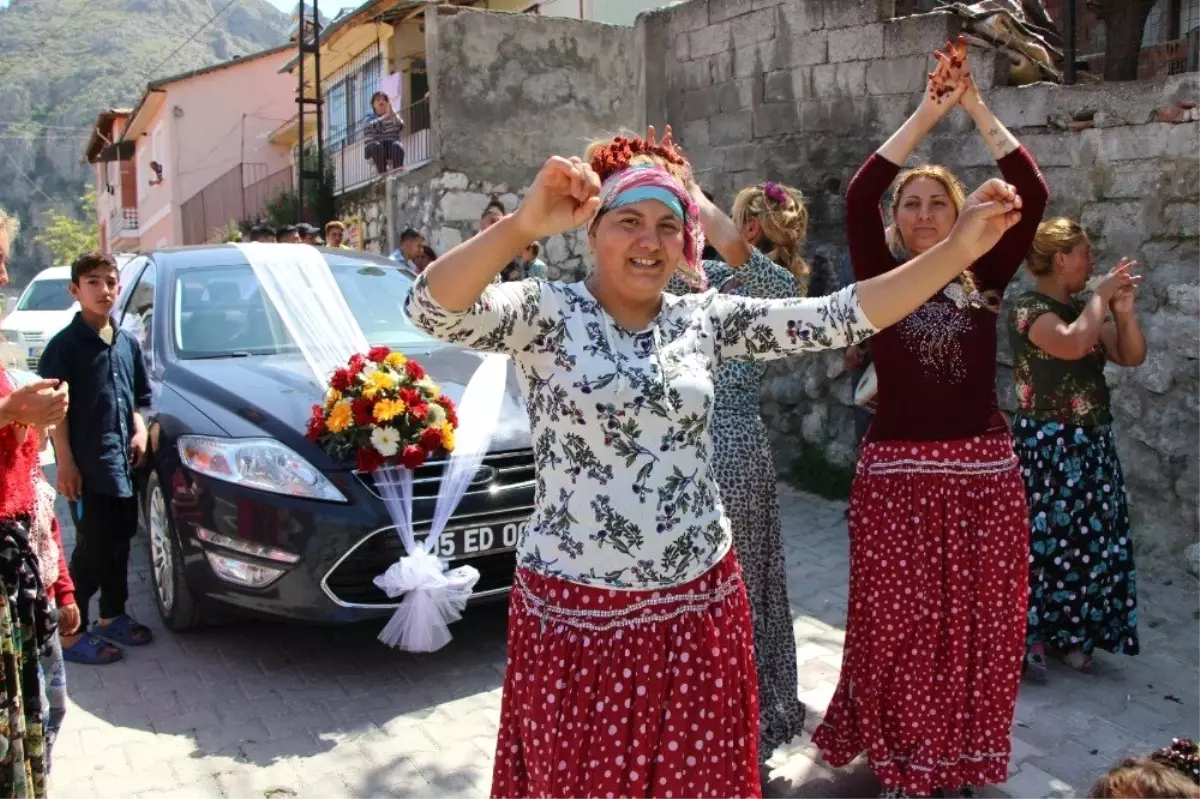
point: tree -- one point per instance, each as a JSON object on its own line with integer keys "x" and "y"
{"x": 1124, "y": 22}
{"x": 67, "y": 237}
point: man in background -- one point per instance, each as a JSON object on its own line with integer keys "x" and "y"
{"x": 308, "y": 234}
{"x": 288, "y": 234}
{"x": 262, "y": 234}
{"x": 335, "y": 235}
{"x": 412, "y": 244}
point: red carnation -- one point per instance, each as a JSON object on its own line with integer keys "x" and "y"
{"x": 410, "y": 396}
{"x": 431, "y": 439}
{"x": 412, "y": 456}
{"x": 451, "y": 412}
{"x": 418, "y": 411}
{"x": 341, "y": 379}
{"x": 368, "y": 459}
{"x": 364, "y": 411}
{"x": 378, "y": 354}
{"x": 316, "y": 424}
{"x": 415, "y": 372}
{"x": 357, "y": 364}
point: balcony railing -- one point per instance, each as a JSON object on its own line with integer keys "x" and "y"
{"x": 123, "y": 222}
{"x": 356, "y": 165}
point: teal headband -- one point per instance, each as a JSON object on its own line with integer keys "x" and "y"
{"x": 636, "y": 194}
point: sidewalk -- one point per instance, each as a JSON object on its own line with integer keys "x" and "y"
{"x": 277, "y": 712}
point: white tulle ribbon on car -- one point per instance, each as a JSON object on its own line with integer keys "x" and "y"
{"x": 434, "y": 596}
{"x": 298, "y": 282}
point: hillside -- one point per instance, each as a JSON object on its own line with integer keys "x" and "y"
{"x": 63, "y": 61}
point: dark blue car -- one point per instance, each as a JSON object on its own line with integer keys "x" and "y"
{"x": 244, "y": 512}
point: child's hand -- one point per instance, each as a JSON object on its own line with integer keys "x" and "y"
{"x": 68, "y": 619}
{"x": 70, "y": 481}
{"x": 137, "y": 448}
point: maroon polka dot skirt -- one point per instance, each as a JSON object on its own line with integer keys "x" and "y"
{"x": 629, "y": 693}
{"x": 939, "y": 547}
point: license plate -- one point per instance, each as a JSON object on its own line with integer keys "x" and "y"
{"x": 470, "y": 542}
{"x": 34, "y": 352}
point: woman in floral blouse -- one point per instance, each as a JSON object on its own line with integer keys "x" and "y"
{"x": 631, "y": 661}
{"x": 762, "y": 258}
{"x": 1082, "y": 582}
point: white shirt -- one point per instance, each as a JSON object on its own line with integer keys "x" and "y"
{"x": 620, "y": 420}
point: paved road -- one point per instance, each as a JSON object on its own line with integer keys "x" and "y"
{"x": 273, "y": 712}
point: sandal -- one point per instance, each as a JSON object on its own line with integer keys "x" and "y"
{"x": 1036, "y": 667}
{"x": 124, "y": 630}
{"x": 1078, "y": 661}
{"x": 92, "y": 650}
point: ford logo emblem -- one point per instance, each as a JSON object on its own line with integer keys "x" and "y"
{"x": 486, "y": 474}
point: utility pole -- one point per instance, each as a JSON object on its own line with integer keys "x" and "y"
{"x": 310, "y": 45}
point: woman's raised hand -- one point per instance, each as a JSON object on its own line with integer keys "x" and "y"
{"x": 564, "y": 195}
{"x": 949, "y": 81}
{"x": 990, "y": 210}
{"x": 1118, "y": 280}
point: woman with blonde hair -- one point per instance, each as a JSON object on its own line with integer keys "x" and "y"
{"x": 1082, "y": 580}
{"x": 938, "y": 531}
{"x": 630, "y": 657}
{"x": 761, "y": 258}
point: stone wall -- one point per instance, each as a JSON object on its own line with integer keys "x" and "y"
{"x": 508, "y": 91}
{"x": 801, "y": 92}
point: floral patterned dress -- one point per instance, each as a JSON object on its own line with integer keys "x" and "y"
{"x": 626, "y": 606}
{"x": 1082, "y": 579}
{"x": 745, "y": 472}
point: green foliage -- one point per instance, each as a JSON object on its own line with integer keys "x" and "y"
{"x": 66, "y": 237}
{"x": 285, "y": 209}
{"x": 812, "y": 472}
{"x": 232, "y": 232}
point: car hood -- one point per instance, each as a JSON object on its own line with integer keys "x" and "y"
{"x": 274, "y": 395}
{"x": 45, "y": 322}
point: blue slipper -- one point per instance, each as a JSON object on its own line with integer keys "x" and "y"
{"x": 90, "y": 650}
{"x": 124, "y": 630}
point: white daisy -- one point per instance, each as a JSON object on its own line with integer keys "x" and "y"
{"x": 386, "y": 441}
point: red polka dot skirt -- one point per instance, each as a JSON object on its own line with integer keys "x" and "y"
{"x": 629, "y": 693}
{"x": 939, "y": 547}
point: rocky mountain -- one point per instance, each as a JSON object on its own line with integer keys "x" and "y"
{"x": 64, "y": 61}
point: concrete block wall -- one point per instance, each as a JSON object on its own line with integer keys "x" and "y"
{"x": 801, "y": 92}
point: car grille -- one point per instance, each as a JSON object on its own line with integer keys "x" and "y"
{"x": 32, "y": 364}
{"x": 351, "y": 581}
{"x": 32, "y": 338}
{"x": 498, "y": 470}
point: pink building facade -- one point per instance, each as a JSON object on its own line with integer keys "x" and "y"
{"x": 186, "y": 133}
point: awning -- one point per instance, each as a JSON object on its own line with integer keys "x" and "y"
{"x": 121, "y": 151}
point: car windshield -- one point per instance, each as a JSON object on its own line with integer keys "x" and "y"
{"x": 48, "y": 294}
{"x": 222, "y": 311}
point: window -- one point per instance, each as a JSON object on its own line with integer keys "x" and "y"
{"x": 48, "y": 294}
{"x": 1157, "y": 24}
{"x": 139, "y": 310}
{"x": 130, "y": 272}
{"x": 348, "y": 98}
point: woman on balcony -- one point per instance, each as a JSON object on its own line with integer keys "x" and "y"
{"x": 939, "y": 537}
{"x": 383, "y": 147}
{"x": 631, "y": 647}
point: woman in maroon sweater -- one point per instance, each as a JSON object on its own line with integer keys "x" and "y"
{"x": 939, "y": 537}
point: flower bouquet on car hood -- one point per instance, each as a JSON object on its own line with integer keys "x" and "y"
{"x": 382, "y": 413}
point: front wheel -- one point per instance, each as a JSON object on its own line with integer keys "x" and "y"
{"x": 176, "y": 604}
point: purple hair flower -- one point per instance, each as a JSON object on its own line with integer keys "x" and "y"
{"x": 773, "y": 192}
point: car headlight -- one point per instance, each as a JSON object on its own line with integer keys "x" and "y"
{"x": 12, "y": 336}
{"x": 259, "y": 463}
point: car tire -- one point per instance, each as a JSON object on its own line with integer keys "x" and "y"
{"x": 176, "y": 604}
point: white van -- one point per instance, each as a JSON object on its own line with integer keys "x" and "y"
{"x": 46, "y": 307}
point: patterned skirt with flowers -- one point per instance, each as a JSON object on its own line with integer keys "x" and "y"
{"x": 1082, "y": 580}
{"x": 935, "y": 632}
{"x": 629, "y": 693}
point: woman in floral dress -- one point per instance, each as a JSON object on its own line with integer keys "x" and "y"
{"x": 631, "y": 660}
{"x": 1082, "y": 581}
{"x": 763, "y": 260}
{"x": 938, "y": 529}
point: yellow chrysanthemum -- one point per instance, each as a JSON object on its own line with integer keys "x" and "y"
{"x": 387, "y": 409}
{"x": 395, "y": 360}
{"x": 447, "y": 437}
{"x": 331, "y": 398}
{"x": 377, "y": 381}
{"x": 341, "y": 417}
